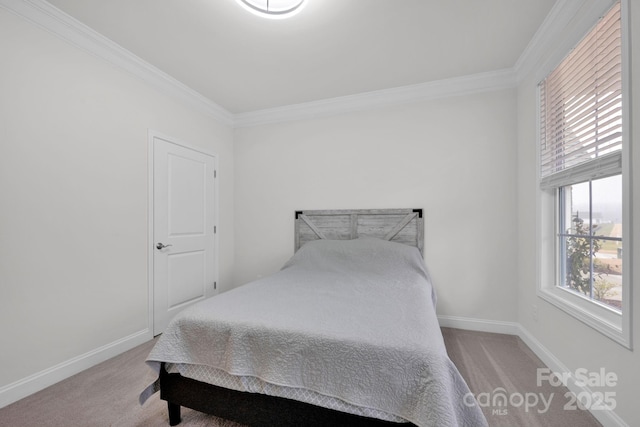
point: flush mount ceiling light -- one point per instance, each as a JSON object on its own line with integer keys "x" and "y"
{"x": 273, "y": 8}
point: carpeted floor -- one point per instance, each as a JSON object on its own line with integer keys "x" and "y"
{"x": 107, "y": 394}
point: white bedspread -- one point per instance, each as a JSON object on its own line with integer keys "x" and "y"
{"x": 354, "y": 320}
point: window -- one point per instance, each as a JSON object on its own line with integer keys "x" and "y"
{"x": 590, "y": 239}
{"x": 582, "y": 155}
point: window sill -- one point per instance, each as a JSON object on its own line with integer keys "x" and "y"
{"x": 605, "y": 320}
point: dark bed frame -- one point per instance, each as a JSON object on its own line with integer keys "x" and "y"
{"x": 259, "y": 410}
{"x": 253, "y": 409}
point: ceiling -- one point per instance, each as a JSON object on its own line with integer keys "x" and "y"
{"x": 332, "y": 48}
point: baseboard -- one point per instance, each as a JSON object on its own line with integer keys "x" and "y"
{"x": 43, "y": 379}
{"x": 606, "y": 418}
{"x": 480, "y": 325}
{"x": 36, "y": 382}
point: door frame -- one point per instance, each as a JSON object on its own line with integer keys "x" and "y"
{"x": 152, "y": 136}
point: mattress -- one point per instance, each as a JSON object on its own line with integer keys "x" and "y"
{"x": 353, "y": 321}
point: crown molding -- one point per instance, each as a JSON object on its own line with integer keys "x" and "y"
{"x": 563, "y": 14}
{"x": 576, "y": 15}
{"x": 69, "y": 29}
{"x": 459, "y": 86}
{"x": 560, "y": 14}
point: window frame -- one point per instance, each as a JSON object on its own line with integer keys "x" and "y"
{"x": 606, "y": 320}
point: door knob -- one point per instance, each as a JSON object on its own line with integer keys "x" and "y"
{"x": 162, "y": 246}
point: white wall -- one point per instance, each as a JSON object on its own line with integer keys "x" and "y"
{"x": 73, "y": 194}
{"x": 73, "y": 202}
{"x": 453, "y": 157}
{"x": 570, "y": 341}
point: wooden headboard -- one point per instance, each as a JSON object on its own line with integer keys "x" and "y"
{"x": 397, "y": 225}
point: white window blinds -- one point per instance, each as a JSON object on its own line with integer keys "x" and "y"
{"x": 581, "y": 109}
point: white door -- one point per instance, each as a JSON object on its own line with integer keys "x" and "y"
{"x": 183, "y": 229}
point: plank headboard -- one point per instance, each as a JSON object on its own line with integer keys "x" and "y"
{"x": 397, "y": 225}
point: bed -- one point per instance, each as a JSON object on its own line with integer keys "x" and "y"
{"x": 345, "y": 334}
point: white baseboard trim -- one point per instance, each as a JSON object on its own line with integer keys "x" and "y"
{"x": 606, "y": 418}
{"x": 40, "y": 380}
{"x": 480, "y": 325}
